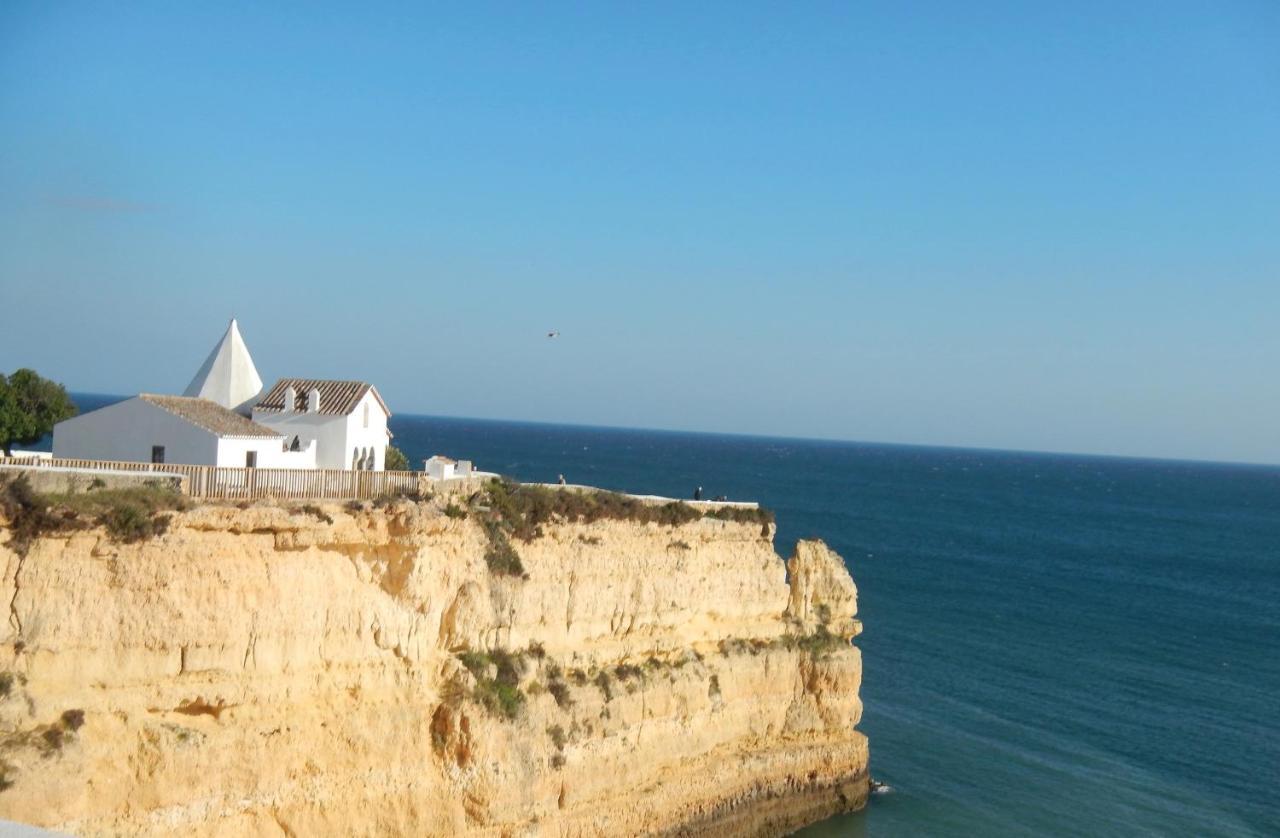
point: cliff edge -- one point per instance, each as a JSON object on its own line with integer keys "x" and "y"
{"x": 411, "y": 668}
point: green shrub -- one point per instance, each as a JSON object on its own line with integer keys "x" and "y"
{"x": 500, "y": 694}
{"x": 455, "y": 511}
{"x": 395, "y": 460}
{"x": 500, "y": 556}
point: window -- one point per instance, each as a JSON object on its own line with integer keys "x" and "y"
{"x": 366, "y": 414}
{"x": 251, "y": 459}
{"x": 157, "y": 453}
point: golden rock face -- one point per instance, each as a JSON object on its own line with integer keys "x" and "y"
{"x": 263, "y": 671}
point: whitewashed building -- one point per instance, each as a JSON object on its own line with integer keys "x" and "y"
{"x": 346, "y": 420}
{"x": 225, "y": 419}
{"x": 440, "y": 467}
{"x": 175, "y": 429}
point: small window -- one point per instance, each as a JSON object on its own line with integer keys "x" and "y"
{"x": 366, "y": 414}
{"x": 157, "y": 453}
{"x": 251, "y": 459}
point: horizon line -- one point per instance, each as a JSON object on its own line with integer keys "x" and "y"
{"x": 820, "y": 439}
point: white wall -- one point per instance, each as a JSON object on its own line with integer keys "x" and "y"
{"x": 328, "y": 433}
{"x": 336, "y": 437}
{"x": 128, "y": 429}
{"x": 271, "y": 453}
{"x": 373, "y": 437}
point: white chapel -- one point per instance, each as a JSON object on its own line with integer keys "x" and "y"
{"x": 225, "y": 418}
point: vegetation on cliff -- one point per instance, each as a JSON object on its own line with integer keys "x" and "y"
{"x": 510, "y": 510}
{"x": 128, "y": 515}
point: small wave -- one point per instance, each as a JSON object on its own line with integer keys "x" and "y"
{"x": 881, "y": 788}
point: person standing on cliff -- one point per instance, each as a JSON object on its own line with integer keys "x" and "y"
{"x": 697, "y": 493}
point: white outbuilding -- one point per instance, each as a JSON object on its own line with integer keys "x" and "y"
{"x": 346, "y": 420}
{"x": 175, "y": 429}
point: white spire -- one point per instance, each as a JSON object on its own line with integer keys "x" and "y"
{"x": 228, "y": 375}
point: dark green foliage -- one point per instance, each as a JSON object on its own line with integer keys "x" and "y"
{"x": 500, "y": 699}
{"x": 501, "y": 557}
{"x": 455, "y": 511}
{"x": 29, "y": 408}
{"x": 396, "y": 460}
{"x": 500, "y": 694}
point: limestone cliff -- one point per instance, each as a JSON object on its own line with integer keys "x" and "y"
{"x": 361, "y": 671}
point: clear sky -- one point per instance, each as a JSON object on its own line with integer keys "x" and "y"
{"x": 1048, "y": 226}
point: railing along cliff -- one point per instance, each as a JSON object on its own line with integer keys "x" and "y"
{"x": 217, "y": 482}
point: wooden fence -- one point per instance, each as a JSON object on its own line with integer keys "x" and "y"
{"x": 251, "y": 483}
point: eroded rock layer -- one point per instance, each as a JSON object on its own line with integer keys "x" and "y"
{"x": 266, "y": 671}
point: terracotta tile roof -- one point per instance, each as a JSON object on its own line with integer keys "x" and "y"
{"x": 337, "y": 398}
{"x": 209, "y": 415}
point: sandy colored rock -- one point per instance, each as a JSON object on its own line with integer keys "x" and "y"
{"x": 262, "y": 671}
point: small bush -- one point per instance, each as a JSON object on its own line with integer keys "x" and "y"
{"x": 626, "y": 671}
{"x": 679, "y": 545}
{"x": 605, "y": 683}
{"x": 73, "y": 719}
{"x": 560, "y": 692}
{"x": 558, "y": 737}
{"x": 52, "y": 738}
{"x": 6, "y": 684}
{"x": 317, "y": 513}
{"x": 501, "y": 557}
{"x": 97, "y": 483}
{"x": 455, "y": 511}
{"x": 500, "y": 699}
{"x": 500, "y": 694}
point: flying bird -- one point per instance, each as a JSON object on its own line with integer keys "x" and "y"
{"x": 553, "y": 334}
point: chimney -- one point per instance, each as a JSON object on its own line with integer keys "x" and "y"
{"x": 290, "y": 399}
{"x": 313, "y": 400}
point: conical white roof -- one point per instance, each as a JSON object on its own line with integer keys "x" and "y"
{"x": 228, "y": 375}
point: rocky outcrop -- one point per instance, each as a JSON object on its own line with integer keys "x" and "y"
{"x": 361, "y": 671}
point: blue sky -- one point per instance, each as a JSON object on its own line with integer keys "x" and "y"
{"x": 1016, "y": 225}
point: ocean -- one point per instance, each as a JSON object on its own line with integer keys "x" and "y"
{"x": 1053, "y": 645}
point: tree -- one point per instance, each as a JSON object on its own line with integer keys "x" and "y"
{"x": 396, "y": 460}
{"x": 29, "y": 408}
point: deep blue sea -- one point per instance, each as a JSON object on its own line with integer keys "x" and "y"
{"x": 1053, "y": 645}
